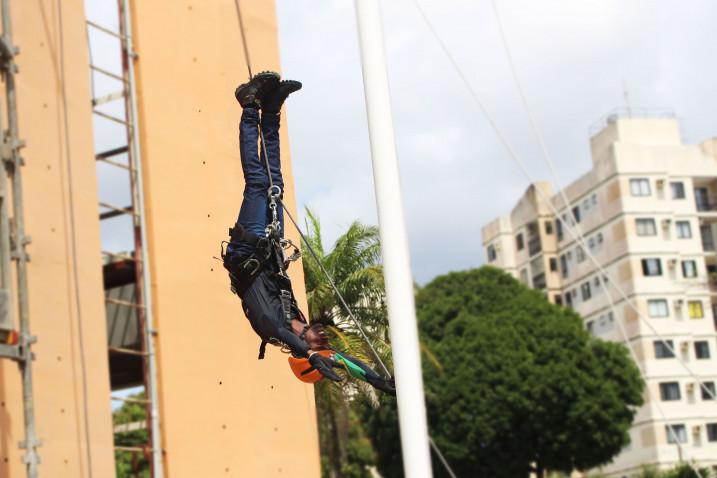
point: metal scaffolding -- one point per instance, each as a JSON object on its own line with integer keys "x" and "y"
{"x": 126, "y": 275}
{"x": 13, "y": 241}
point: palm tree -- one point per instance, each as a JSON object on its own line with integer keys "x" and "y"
{"x": 354, "y": 263}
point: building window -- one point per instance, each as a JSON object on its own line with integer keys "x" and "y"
{"x": 548, "y": 227}
{"x": 689, "y": 269}
{"x": 553, "y": 264}
{"x": 576, "y": 214}
{"x": 683, "y": 230}
{"x": 640, "y": 187}
{"x": 559, "y": 229}
{"x": 676, "y": 434}
{"x": 695, "y": 309}
{"x": 711, "y": 431}
{"x": 664, "y": 349}
{"x": 558, "y": 299}
{"x": 678, "y": 190}
{"x": 657, "y": 308}
{"x": 579, "y": 254}
{"x": 651, "y": 267}
{"x": 568, "y": 299}
{"x": 591, "y": 243}
{"x": 491, "y": 253}
{"x": 669, "y": 391}
{"x": 519, "y": 242}
{"x": 702, "y": 349}
{"x": 598, "y": 237}
{"x": 564, "y": 266}
{"x": 593, "y": 198}
{"x": 646, "y": 227}
{"x": 708, "y": 390}
{"x": 585, "y": 290}
{"x": 586, "y": 204}
{"x": 590, "y": 325}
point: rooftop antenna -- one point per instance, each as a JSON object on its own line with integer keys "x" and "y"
{"x": 394, "y": 245}
{"x": 626, "y": 95}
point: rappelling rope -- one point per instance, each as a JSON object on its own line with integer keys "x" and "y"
{"x": 433, "y": 445}
{"x": 574, "y": 229}
{"x": 336, "y": 290}
{"x": 577, "y": 228}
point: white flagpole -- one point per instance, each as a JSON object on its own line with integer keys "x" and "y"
{"x": 394, "y": 245}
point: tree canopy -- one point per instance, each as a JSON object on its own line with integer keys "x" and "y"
{"x": 523, "y": 383}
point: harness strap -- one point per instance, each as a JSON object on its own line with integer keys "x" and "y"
{"x": 262, "y": 350}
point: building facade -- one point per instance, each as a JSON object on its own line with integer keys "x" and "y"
{"x": 648, "y": 212}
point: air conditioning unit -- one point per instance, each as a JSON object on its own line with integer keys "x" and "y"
{"x": 672, "y": 262}
{"x": 684, "y": 346}
{"x": 696, "y": 430}
{"x": 690, "y": 388}
{"x": 660, "y": 183}
{"x": 679, "y": 302}
{"x": 666, "y": 223}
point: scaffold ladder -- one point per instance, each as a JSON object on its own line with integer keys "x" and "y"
{"x": 13, "y": 242}
{"x": 141, "y": 302}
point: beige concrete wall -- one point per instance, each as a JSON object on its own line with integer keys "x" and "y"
{"x": 71, "y": 381}
{"x": 223, "y": 412}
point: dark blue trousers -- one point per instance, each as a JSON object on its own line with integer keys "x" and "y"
{"x": 255, "y": 213}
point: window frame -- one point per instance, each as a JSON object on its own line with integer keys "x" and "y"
{"x": 585, "y": 291}
{"x": 670, "y": 391}
{"x": 681, "y": 227}
{"x": 662, "y": 351}
{"x": 685, "y": 269}
{"x": 637, "y": 187}
{"x": 491, "y": 253}
{"x": 678, "y": 435}
{"x": 693, "y": 306}
{"x": 658, "y": 303}
{"x": 711, "y": 429}
{"x": 711, "y": 386}
{"x": 642, "y": 223}
{"x": 680, "y": 190}
{"x": 646, "y": 268}
{"x": 699, "y": 355}
{"x": 519, "y": 241}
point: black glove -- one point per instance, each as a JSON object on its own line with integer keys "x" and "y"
{"x": 324, "y": 365}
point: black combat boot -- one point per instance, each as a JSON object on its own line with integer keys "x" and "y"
{"x": 249, "y": 95}
{"x": 273, "y": 98}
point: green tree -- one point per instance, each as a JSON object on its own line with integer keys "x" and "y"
{"x": 524, "y": 385}
{"x": 354, "y": 264}
{"x": 130, "y": 464}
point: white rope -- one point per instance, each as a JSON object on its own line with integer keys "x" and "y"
{"x": 513, "y": 155}
{"x": 568, "y": 205}
{"x": 578, "y": 237}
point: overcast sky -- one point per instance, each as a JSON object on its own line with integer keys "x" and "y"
{"x": 573, "y": 58}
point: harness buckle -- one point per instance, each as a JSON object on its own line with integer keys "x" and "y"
{"x": 254, "y": 263}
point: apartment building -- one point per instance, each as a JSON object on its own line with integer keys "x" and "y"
{"x": 648, "y": 212}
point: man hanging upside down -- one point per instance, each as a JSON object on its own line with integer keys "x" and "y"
{"x": 254, "y": 255}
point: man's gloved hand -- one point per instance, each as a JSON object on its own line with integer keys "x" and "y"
{"x": 324, "y": 366}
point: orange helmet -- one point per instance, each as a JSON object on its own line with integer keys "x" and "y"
{"x": 304, "y": 371}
